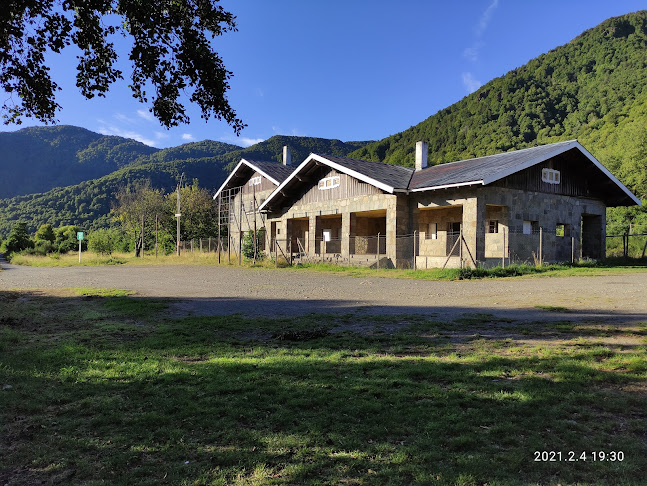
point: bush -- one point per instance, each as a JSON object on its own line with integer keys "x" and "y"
{"x": 248, "y": 244}
{"x": 103, "y": 241}
{"x": 45, "y": 233}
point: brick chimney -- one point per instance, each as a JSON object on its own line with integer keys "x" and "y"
{"x": 421, "y": 155}
{"x": 287, "y": 156}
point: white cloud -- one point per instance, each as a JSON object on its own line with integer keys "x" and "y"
{"x": 188, "y": 137}
{"x": 146, "y": 115}
{"x": 484, "y": 21}
{"x": 161, "y": 135}
{"x": 114, "y": 130}
{"x": 472, "y": 53}
{"x": 470, "y": 83}
{"x": 123, "y": 118}
{"x": 246, "y": 142}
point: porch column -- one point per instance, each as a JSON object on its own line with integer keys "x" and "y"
{"x": 345, "y": 235}
{"x": 312, "y": 235}
{"x": 474, "y": 229}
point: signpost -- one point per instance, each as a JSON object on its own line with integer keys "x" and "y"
{"x": 79, "y": 236}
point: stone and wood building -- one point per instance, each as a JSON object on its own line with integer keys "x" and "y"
{"x": 543, "y": 203}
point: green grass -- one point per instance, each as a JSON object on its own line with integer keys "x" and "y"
{"x": 105, "y": 390}
{"x": 585, "y": 268}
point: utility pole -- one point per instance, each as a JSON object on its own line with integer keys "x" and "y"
{"x": 178, "y": 214}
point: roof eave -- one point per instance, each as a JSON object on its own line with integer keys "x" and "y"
{"x": 251, "y": 166}
{"x": 447, "y": 186}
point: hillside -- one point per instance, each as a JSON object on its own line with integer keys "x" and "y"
{"x": 37, "y": 159}
{"x": 593, "y": 89}
{"x": 88, "y": 203}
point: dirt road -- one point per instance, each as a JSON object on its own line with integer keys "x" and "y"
{"x": 211, "y": 290}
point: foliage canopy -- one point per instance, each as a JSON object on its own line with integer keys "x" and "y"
{"x": 171, "y": 54}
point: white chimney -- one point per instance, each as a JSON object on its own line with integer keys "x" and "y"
{"x": 287, "y": 156}
{"x": 421, "y": 155}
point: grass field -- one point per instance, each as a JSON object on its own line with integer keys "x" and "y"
{"x": 100, "y": 387}
{"x": 611, "y": 266}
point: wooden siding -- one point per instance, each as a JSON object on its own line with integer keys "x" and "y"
{"x": 265, "y": 185}
{"x": 348, "y": 187}
{"x": 574, "y": 178}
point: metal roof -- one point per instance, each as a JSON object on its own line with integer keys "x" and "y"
{"x": 482, "y": 169}
{"x": 394, "y": 176}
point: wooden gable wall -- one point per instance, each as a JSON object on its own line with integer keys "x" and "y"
{"x": 578, "y": 177}
{"x": 348, "y": 187}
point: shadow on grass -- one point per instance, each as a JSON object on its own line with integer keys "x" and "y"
{"x": 109, "y": 399}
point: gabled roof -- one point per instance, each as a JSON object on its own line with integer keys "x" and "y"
{"x": 275, "y": 172}
{"x": 388, "y": 177}
{"x": 482, "y": 169}
{"x": 486, "y": 170}
{"x": 477, "y": 171}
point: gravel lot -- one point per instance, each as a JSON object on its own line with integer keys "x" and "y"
{"x": 211, "y": 290}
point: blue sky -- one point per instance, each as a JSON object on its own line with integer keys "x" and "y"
{"x": 351, "y": 70}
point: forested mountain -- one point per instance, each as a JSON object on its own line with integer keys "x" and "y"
{"x": 88, "y": 204}
{"x": 593, "y": 89}
{"x": 37, "y": 159}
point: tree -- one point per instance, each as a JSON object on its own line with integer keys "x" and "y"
{"x": 137, "y": 208}
{"x": 171, "y": 54}
{"x": 18, "y": 239}
{"x": 45, "y": 233}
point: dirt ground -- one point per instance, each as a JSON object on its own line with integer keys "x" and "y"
{"x": 213, "y": 290}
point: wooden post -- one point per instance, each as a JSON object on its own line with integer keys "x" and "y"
{"x": 460, "y": 245}
{"x": 229, "y": 227}
{"x": 572, "y": 250}
{"x": 200, "y": 245}
{"x": 276, "y": 253}
{"x": 541, "y": 246}
{"x": 240, "y": 230}
{"x": 254, "y": 208}
{"x": 378, "y": 251}
{"x": 156, "y": 231}
{"x": 503, "y": 255}
{"x": 219, "y": 222}
{"x": 142, "y": 236}
{"x": 414, "y": 249}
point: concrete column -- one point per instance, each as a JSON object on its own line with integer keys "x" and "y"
{"x": 474, "y": 228}
{"x": 345, "y": 235}
{"x": 312, "y": 235}
{"x": 404, "y": 246}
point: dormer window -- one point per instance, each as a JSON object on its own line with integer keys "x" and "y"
{"x": 255, "y": 181}
{"x": 551, "y": 176}
{"x": 329, "y": 182}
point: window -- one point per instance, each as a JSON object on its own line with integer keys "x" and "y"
{"x": 329, "y": 182}
{"x": 550, "y": 175}
{"x": 493, "y": 226}
{"x": 255, "y": 181}
{"x": 562, "y": 229}
{"x": 530, "y": 227}
{"x": 432, "y": 231}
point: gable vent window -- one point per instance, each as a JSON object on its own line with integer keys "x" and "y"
{"x": 329, "y": 183}
{"x": 255, "y": 181}
{"x": 550, "y": 175}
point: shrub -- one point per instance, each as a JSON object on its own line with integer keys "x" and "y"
{"x": 103, "y": 241}
{"x": 248, "y": 244}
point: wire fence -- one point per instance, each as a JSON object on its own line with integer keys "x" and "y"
{"x": 516, "y": 245}
{"x": 629, "y": 245}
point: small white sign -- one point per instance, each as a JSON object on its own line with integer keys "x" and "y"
{"x": 326, "y": 235}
